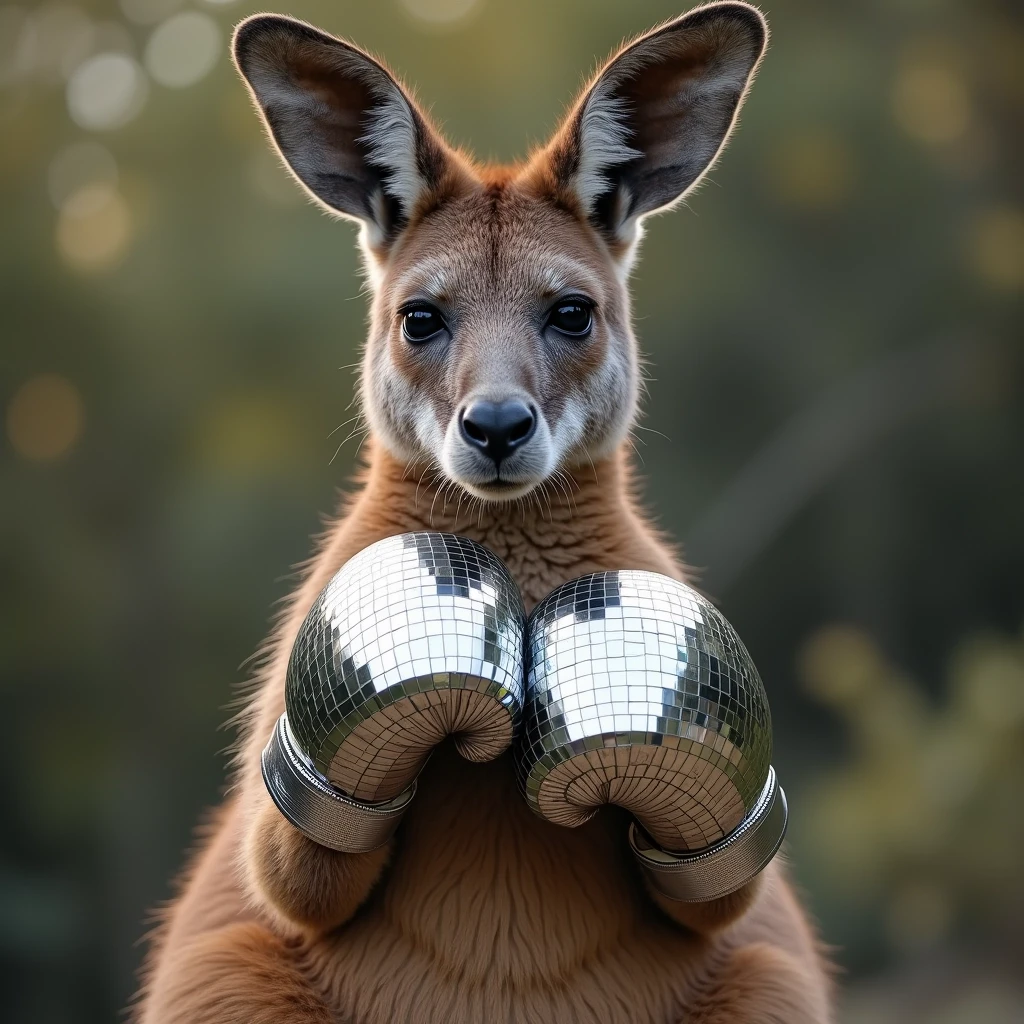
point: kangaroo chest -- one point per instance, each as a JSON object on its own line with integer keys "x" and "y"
{"x": 490, "y": 914}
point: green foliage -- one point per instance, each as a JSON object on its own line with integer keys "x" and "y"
{"x": 920, "y": 821}
{"x": 918, "y": 833}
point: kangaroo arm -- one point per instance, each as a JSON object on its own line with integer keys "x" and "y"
{"x": 707, "y": 918}
{"x": 300, "y": 883}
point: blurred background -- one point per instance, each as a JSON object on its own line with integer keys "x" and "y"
{"x": 835, "y": 429}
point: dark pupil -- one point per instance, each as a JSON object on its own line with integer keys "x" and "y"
{"x": 573, "y": 318}
{"x": 421, "y": 324}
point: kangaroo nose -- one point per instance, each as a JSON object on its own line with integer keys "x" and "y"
{"x": 497, "y": 428}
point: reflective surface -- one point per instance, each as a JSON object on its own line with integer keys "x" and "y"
{"x": 319, "y": 810}
{"x": 639, "y": 692}
{"x": 416, "y": 637}
{"x": 726, "y": 866}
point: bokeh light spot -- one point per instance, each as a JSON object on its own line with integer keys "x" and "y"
{"x": 440, "y": 12}
{"x": 997, "y": 247}
{"x": 94, "y": 229}
{"x": 987, "y": 675}
{"x": 45, "y": 418}
{"x": 813, "y": 171}
{"x": 839, "y": 664}
{"x": 183, "y": 50}
{"x": 250, "y": 435}
{"x": 78, "y": 165}
{"x": 931, "y": 104}
{"x": 106, "y": 91}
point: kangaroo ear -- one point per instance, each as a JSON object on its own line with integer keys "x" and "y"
{"x": 656, "y": 116}
{"x": 348, "y": 131}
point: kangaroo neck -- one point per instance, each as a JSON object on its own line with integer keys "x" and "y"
{"x": 584, "y": 521}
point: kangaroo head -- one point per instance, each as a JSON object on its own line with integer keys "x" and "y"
{"x": 500, "y": 349}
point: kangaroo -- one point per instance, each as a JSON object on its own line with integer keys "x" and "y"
{"x": 499, "y": 384}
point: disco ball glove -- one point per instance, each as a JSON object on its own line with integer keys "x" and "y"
{"x": 641, "y": 694}
{"x": 416, "y": 638}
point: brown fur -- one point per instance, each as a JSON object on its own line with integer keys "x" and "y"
{"x": 477, "y": 910}
{"x": 486, "y": 913}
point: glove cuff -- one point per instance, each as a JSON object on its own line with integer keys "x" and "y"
{"x": 319, "y": 810}
{"x": 726, "y": 866}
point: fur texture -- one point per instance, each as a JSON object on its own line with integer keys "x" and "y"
{"x": 478, "y": 911}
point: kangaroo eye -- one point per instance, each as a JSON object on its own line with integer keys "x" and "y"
{"x": 573, "y": 317}
{"x": 421, "y": 323}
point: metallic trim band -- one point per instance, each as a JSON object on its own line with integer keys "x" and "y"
{"x": 727, "y": 865}
{"x": 319, "y": 810}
